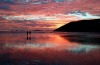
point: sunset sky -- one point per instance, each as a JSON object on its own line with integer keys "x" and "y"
{"x": 45, "y": 14}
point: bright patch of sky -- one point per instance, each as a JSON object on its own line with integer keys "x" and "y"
{"x": 84, "y": 15}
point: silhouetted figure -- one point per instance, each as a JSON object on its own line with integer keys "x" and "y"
{"x": 27, "y": 32}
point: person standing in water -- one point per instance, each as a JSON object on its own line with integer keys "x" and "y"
{"x": 29, "y": 32}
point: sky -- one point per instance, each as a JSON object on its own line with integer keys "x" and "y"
{"x": 45, "y": 14}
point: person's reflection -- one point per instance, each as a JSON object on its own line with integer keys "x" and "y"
{"x": 28, "y": 35}
{"x": 28, "y": 38}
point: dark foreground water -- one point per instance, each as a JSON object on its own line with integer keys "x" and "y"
{"x": 50, "y": 49}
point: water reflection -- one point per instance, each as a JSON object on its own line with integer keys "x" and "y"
{"x": 48, "y": 49}
{"x": 85, "y": 38}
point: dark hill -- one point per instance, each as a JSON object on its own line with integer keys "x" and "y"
{"x": 81, "y": 26}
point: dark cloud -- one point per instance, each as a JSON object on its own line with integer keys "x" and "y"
{"x": 59, "y": 0}
{"x": 6, "y": 1}
{"x": 4, "y": 7}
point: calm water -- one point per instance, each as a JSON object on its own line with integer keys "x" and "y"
{"x": 50, "y": 49}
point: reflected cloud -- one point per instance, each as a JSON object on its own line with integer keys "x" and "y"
{"x": 45, "y": 49}
{"x": 68, "y": 47}
{"x": 29, "y": 46}
{"x": 53, "y": 41}
{"x": 84, "y": 48}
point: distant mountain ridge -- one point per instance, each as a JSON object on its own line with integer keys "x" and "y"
{"x": 81, "y": 26}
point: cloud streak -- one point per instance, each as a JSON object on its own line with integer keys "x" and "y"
{"x": 41, "y": 22}
{"x": 74, "y": 16}
{"x": 30, "y": 17}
